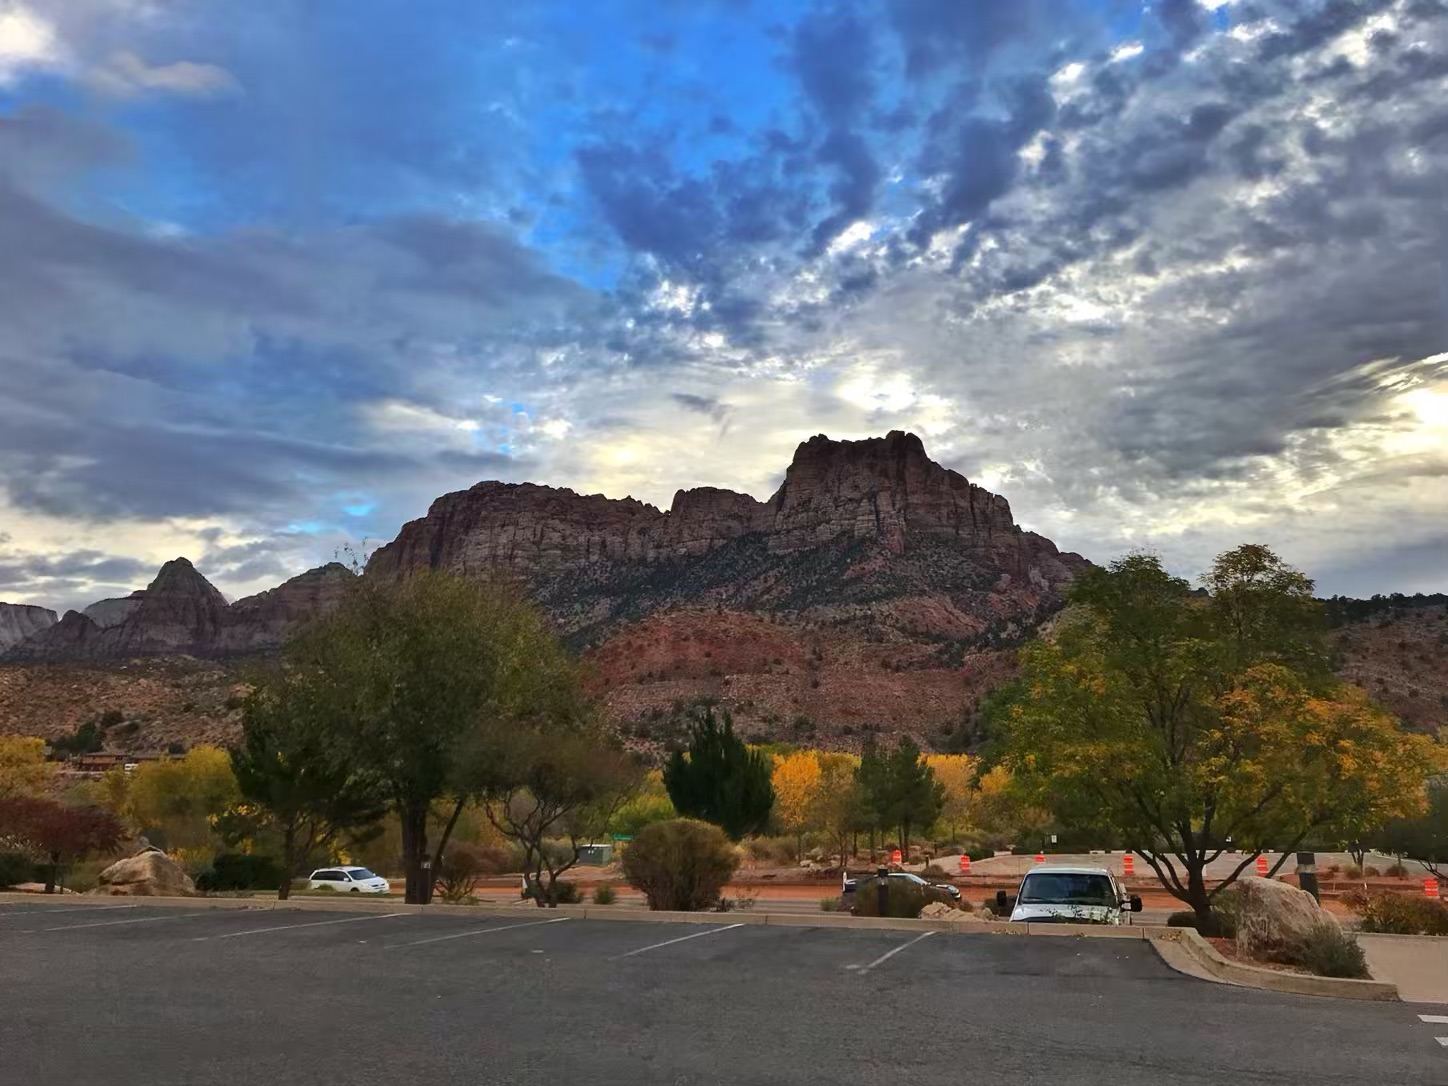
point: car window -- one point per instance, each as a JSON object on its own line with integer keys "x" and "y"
{"x": 1067, "y": 888}
{"x": 360, "y": 874}
{"x": 326, "y": 876}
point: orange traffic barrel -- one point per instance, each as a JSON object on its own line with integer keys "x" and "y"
{"x": 1040, "y": 858}
{"x": 1262, "y": 866}
{"x": 1430, "y": 887}
{"x": 895, "y": 856}
{"x": 1128, "y": 864}
{"x": 965, "y": 865}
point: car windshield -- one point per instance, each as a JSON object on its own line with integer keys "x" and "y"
{"x": 911, "y": 878}
{"x": 360, "y": 873}
{"x": 1065, "y": 888}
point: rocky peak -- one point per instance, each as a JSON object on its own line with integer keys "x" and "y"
{"x": 884, "y": 488}
{"x": 20, "y": 620}
{"x": 74, "y": 636}
{"x": 703, "y": 518}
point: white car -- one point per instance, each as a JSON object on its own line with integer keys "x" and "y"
{"x": 1069, "y": 895}
{"x": 356, "y": 880}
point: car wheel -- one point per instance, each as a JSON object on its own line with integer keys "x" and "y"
{"x": 356, "y": 889}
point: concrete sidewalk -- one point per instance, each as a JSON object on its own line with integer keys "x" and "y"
{"x": 1417, "y": 964}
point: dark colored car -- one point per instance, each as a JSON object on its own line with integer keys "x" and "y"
{"x": 934, "y": 891}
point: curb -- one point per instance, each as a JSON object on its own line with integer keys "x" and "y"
{"x": 1218, "y": 968}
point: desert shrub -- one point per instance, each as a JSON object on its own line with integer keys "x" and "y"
{"x": 1353, "y": 871}
{"x": 934, "y": 871}
{"x": 1397, "y": 871}
{"x": 1400, "y": 914}
{"x": 458, "y": 874}
{"x": 964, "y": 906}
{"x": 240, "y": 871}
{"x": 1333, "y": 870}
{"x": 829, "y": 904}
{"x": 566, "y": 893}
{"x": 1223, "y": 924}
{"x": 1371, "y": 872}
{"x": 1328, "y": 951}
{"x": 904, "y": 898}
{"x": 604, "y": 894}
{"x": 84, "y": 876}
{"x": 680, "y": 864}
{"x": 15, "y": 868}
{"x": 770, "y": 850}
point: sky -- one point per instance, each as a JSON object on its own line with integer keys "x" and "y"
{"x": 1168, "y": 275}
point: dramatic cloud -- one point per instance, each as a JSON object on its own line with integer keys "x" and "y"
{"x": 1165, "y": 275}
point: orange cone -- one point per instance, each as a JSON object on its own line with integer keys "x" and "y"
{"x": 1128, "y": 865}
{"x": 1040, "y": 858}
{"x": 1430, "y": 887}
{"x": 965, "y": 865}
{"x": 895, "y": 856}
{"x": 1262, "y": 866}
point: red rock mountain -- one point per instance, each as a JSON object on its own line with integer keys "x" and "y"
{"x": 875, "y": 587}
{"x": 20, "y": 620}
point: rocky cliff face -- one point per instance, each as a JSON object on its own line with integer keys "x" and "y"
{"x": 106, "y": 613}
{"x": 262, "y": 621}
{"x": 853, "y": 521}
{"x": 20, "y": 620}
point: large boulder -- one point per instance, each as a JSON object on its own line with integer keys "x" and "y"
{"x": 149, "y": 873}
{"x": 1274, "y": 915}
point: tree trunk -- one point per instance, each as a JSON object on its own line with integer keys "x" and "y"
{"x": 447, "y": 833}
{"x": 414, "y": 852}
{"x": 51, "y": 872}
{"x": 1199, "y": 900}
{"x": 289, "y": 862}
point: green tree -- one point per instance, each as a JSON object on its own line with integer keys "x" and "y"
{"x": 1193, "y": 723}
{"x": 719, "y": 779}
{"x": 291, "y": 779}
{"x": 423, "y": 679}
{"x": 899, "y": 788}
{"x": 561, "y": 789}
{"x": 1423, "y": 837}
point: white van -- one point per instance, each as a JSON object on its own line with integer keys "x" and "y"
{"x": 1056, "y": 894}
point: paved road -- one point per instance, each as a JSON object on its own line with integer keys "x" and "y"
{"x": 152, "y": 996}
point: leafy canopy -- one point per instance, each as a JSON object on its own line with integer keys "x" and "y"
{"x": 1185, "y": 721}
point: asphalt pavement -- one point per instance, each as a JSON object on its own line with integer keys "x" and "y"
{"x": 147, "y": 995}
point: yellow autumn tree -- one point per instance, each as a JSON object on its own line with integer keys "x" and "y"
{"x": 23, "y": 768}
{"x": 796, "y": 781}
{"x": 956, "y": 774}
{"x": 175, "y": 801}
{"x": 1193, "y": 724}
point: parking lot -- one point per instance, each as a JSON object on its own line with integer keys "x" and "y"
{"x": 135, "y": 993}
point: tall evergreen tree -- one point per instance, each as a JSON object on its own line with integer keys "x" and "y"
{"x": 719, "y": 779}
{"x": 900, "y": 789}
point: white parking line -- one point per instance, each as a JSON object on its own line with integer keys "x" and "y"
{"x": 1442, "y": 1041}
{"x": 681, "y": 939}
{"x": 885, "y": 957}
{"x": 1434, "y": 1019}
{"x": 113, "y": 923}
{"x": 73, "y": 909}
{"x": 290, "y": 927}
{"x": 475, "y": 931}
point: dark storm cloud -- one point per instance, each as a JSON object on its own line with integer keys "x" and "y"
{"x": 84, "y": 564}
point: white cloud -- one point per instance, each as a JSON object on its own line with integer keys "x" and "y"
{"x": 125, "y": 75}
{"x": 26, "y": 42}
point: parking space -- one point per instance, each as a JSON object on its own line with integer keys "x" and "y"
{"x": 195, "y": 995}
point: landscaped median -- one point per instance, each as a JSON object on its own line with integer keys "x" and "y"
{"x": 1181, "y": 948}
